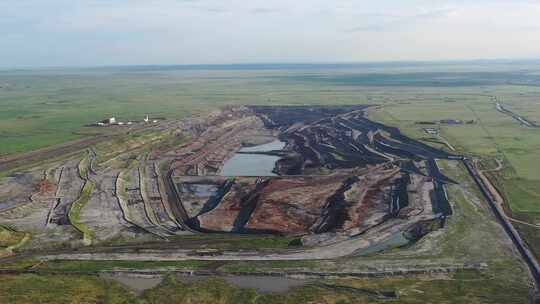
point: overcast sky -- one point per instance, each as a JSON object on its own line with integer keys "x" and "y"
{"x": 120, "y": 32}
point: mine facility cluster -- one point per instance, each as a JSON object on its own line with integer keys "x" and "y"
{"x": 112, "y": 121}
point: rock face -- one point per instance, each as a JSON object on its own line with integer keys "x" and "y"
{"x": 300, "y": 205}
{"x": 231, "y": 208}
{"x": 292, "y": 205}
{"x": 339, "y": 174}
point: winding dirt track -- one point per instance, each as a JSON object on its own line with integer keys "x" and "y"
{"x": 11, "y": 162}
{"x": 497, "y": 196}
{"x": 344, "y": 248}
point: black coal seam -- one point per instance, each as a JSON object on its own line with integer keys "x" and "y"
{"x": 284, "y": 116}
{"x": 61, "y": 212}
{"x": 410, "y": 167}
{"x": 438, "y": 196}
{"x": 368, "y": 154}
{"x": 214, "y": 200}
{"x": 405, "y": 148}
{"x": 175, "y": 203}
{"x": 304, "y": 148}
{"x": 396, "y": 134}
{"x": 411, "y": 149}
{"x": 335, "y": 210}
{"x": 380, "y": 146}
{"x": 248, "y": 205}
{"x": 439, "y": 200}
{"x": 434, "y": 172}
{"x": 352, "y": 157}
{"x": 399, "y": 196}
{"x": 418, "y": 230}
{"x": 289, "y": 165}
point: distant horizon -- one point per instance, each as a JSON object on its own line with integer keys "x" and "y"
{"x": 90, "y": 33}
{"x": 277, "y": 65}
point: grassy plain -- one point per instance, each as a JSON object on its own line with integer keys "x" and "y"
{"x": 47, "y": 107}
{"x": 9, "y": 237}
{"x": 61, "y": 289}
{"x": 462, "y": 287}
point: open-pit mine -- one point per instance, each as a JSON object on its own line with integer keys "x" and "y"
{"x": 338, "y": 177}
{"x": 334, "y": 181}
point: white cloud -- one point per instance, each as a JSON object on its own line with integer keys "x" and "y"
{"x": 62, "y": 32}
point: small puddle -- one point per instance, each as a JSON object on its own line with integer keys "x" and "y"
{"x": 138, "y": 283}
{"x": 253, "y": 164}
{"x": 263, "y": 284}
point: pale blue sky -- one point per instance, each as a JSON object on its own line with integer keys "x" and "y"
{"x": 120, "y": 32}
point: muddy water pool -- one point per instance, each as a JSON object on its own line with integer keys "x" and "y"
{"x": 137, "y": 283}
{"x": 242, "y": 164}
{"x": 263, "y": 284}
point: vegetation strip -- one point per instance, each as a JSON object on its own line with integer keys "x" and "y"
{"x": 76, "y": 209}
{"x": 74, "y": 214}
{"x": 198, "y": 268}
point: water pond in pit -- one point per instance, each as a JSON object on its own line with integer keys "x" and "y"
{"x": 263, "y": 284}
{"x": 253, "y": 164}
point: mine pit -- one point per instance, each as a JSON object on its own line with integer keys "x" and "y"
{"x": 326, "y": 176}
{"x": 329, "y": 171}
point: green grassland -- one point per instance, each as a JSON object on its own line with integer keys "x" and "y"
{"x": 455, "y": 289}
{"x": 462, "y": 287}
{"x": 61, "y": 289}
{"x": 43, "y": 108}
{"x": 9, "y": 237}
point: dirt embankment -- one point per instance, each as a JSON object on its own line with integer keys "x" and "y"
{"x": 13, "y": 161}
